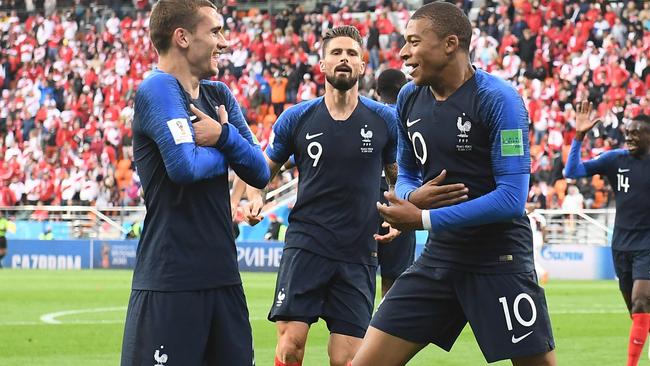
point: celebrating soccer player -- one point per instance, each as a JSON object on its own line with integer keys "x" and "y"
{"x": 628, "y": 171}
{"x": 477, "y": 266}
{"x": 187, "y": 303}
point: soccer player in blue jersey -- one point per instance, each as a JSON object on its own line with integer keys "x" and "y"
{"x": 340, "y": 144}
{"x": 628, "y": 171}
{"x": 187, "y": 305}
{"x": 477, "y": 265}
{"x": 396, "y": 256}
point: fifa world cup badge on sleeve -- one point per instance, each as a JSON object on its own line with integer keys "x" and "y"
{"x": 512, "y": 143}
{"x": 180, "y": 130}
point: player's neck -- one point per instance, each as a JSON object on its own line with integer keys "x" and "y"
{"x": 341, "y": 104}
{"x": 452, "y": 78}
{"x": 182, "y": 72}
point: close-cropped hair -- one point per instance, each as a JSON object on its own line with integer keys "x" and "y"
{"x": 169, "y": 15}
{"x": 447, "y": 19}
{"x": 342, "y": 31}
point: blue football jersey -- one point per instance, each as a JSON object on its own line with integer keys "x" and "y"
{"x": 630, "y": 180}
{"x": 339, "y": 165}
{"x": 478, "y": 133}
{"x": 187, "y": 242}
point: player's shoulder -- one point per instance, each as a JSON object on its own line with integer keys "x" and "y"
{"x": 386, "y": 112}
{"x": 407, "y": 96}
{"x": 215, "y": 85}
{"x": 613, "y": 154}
{"x": 298, "y": 110}
{"x": 493, "y": 88}
{"x": 158, "y": 80}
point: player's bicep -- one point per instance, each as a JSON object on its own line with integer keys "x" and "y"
{"x": 280, "y": 146}
{"x": 163, "y": 118}
{"x": 507, "y": 119}
{"x": 601, "y": 164}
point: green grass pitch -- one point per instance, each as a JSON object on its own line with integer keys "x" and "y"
{"x": 88, "y": 308}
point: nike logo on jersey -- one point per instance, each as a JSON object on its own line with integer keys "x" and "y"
{"x": 516, "y": 340}
{"x": 309, "y": 137}
{"x": 623, "y": 170}
{"x": 411, "y": 123}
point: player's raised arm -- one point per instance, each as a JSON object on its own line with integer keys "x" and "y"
{"x": 575, "y": 168}
{"x": 162, "y": 116}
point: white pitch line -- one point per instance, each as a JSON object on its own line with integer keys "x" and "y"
{"x": 50, "y": 318}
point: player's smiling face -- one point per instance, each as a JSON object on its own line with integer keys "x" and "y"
{"x": 207, "y": 43}
{"x": 342, "y": 64}
{"x": 637, "y": 137}
{"x": 424, "y": 53}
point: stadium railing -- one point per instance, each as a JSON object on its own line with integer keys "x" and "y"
{"x": 72, "y": 222}
{"x": 589, "y": 226}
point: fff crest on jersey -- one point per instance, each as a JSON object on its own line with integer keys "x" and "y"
{"x": 464, "y": 126}
{"x": 366, "y": 140}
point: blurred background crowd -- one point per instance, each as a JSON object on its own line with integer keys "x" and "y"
{"x": 69, "y": 72}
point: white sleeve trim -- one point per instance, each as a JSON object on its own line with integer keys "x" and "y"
{"x": 426, "y": 220}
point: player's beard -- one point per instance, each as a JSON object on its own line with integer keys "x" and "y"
{"x": 342, "y": 83}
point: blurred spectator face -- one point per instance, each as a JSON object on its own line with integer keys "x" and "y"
{"x": 342, "y": 63}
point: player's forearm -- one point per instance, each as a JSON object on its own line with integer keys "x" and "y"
{"x": 574, "y": 166}
{"x": 506, "y": 202}
{"x": 187, "y": 163}
{"x": 408, "y": 180}
{"x": 246, "y": 159}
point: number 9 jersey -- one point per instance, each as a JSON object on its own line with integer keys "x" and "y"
{"x": 339, "y": 164}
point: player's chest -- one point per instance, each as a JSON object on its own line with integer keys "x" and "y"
{"x": 448, "y": 129}
{"x": 631, "y": 177}
{"x": 361, "y": 138}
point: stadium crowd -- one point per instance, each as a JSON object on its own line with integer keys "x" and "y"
{"x": 68, "y": 80}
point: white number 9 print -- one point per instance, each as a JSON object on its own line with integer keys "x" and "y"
{"x": 515, "y": 310}
{"x": 315, "y": 154}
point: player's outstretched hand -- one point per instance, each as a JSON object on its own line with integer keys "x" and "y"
{"x": 389, "y": 236}
{"x": 206, "y": 129}
{"x": 253, "y": 208}
{"x": 401, "y": 214}
{"x": 584, "y": 120}
{"x": 433, "y": 195}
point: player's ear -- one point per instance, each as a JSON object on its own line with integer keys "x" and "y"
{"x": 451, "y": 43}
{"x": 181, "y": 37}
{"x": 321, "y": 63}
{"x": 362, "y": 68}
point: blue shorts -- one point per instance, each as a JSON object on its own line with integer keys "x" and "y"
{"x": 310, "y": 286}
{"x": 630, "y": 266}
{"x": 194, "y": 328}
{"x": 398, "y": 255}
{"x": 507, "y": 312}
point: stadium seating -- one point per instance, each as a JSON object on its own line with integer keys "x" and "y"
{"x": 68, "y": 81}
